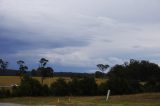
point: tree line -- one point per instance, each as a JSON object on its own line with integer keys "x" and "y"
{"x": 143, "y": 74}
{"x": 41, "y": 71}
{"x": 131, "y": 77}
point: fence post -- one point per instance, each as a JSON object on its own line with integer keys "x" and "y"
{"x": 108, "y": 93}
{"x": 58, "y": 100}
{"x": 69, "y": 99}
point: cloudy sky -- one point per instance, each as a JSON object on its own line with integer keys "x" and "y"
{"x": 75, "y": 35}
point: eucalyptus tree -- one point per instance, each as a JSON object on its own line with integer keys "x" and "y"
{"x": 43, "y": 71}
{"x": 102, "y": 67}
{"x": 3, "y": 65}
{"x": 43, "y": 62}
{"x": 22, "y": 68}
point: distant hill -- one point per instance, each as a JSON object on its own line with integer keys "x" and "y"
{"x": 71, "y": 74}
{"x": 8, "y": 72}
{"x": 11, "y": 72}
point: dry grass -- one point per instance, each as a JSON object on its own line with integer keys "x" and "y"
{"x": 8, "y": 80}
{"x": 100, "y": 80}
{"x": 148, "y": 99}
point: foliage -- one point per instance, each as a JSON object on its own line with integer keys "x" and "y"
{"x": 43, "y": 62}
{"x": 136, "y": 70}
{"x": 102, "y": 67}
{"x": 3, "y": 65}
{"x": 123, "y": 86}
{"x": 84, "y": 86}
{"x": 74, "y": 87}
{"x": 99, "y": 74}
{"x": 152, "y": 86}
{"x": 28, "y": 87}
{"x": 44, "y": 72}
{"x": 60, "y": 88}
{"x": 46, "y": 91}
{"x": 22, "y": 68}
{"x": 32, "y": 87}
{"x": 33, "y": 72}
{"x": 88, "y": 86}
{"x": 127, "y": 78}
{"x": 119, "y": 86}
{"x": 4, "y": 93}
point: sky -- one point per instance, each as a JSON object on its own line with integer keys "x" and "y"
{"x": 76, "y": 35}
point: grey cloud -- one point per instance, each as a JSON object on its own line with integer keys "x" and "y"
{"x": 137, "y": 46}
{"x": 79, "y": 33}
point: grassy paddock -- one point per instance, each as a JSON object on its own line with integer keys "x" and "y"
{"x": 8, "y": 80}
{"x": 147, "y": 99}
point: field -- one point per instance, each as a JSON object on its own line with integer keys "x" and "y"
{"x": 8, "y": 80}
{"x": 148, "y": 99}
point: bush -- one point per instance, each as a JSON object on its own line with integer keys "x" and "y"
{"x": 99, "y": 74}
{"x": 4, "y": 93}
{"x": 85, "y": 86}
{"x": 77, "y": 87}
{"x": 60, "y": 88}
{"x": 103, "y": 88}
{"x": 123, "y": 86}
{"x": 28, "y": 87}
{"x": 88, "y": 86}
{"x": 46, "y": 90}
{"x": 152, "y": 86}
{"x": 74, "y": 87}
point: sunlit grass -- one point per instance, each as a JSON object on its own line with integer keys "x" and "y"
{"x": 8, "y": 80}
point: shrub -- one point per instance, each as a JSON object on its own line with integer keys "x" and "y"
{"x": 88, "y": 86}
{"x": 28, "y": 87}
{"x": 60, "y": 88}
{"x": 152, "y": 86}
{"x": 123, "y": 86}
{"x": 4, "y": 93}
{"x": 46, "y": 90}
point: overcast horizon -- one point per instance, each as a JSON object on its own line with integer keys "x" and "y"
{"x": 76, "y": 35}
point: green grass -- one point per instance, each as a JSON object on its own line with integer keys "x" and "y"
{"x": 148, "y": 99}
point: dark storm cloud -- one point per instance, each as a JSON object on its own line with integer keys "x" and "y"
{"x": 14, "y": 40}
{"x": 11, "y": 45}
